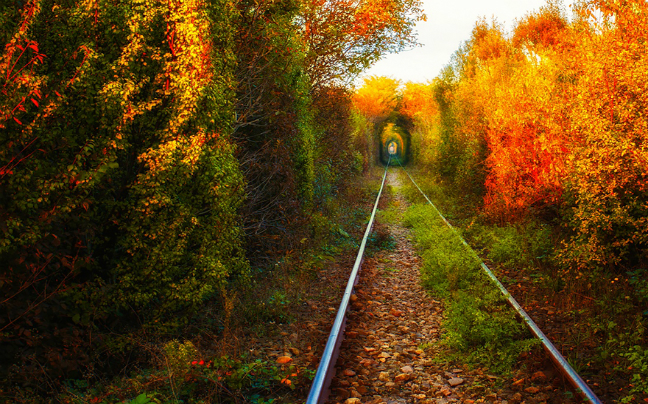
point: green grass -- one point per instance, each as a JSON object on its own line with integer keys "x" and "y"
{"x": 479, "y": 324}
{"x": 527, "y": 247}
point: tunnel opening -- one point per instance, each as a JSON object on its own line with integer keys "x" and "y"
{"x": 394, "y": 144}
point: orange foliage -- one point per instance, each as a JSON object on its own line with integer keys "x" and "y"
{"x": 517, "y": 104}
{"x": 609, "y": 174}
{"x": 544, "y": 28}
{"x": 377, "y": 99}
{"x": 372, "y": 16}
{"x": 487, "y": 42}
{"x": 561, "y": 107}
{"x": 418, "y": 103}
{"x": 344, "y": 37}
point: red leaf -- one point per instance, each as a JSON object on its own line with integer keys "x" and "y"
{"x": 57, "y": 93}
{"x": 16, "y": 119}
{"x": 34, "y": 101}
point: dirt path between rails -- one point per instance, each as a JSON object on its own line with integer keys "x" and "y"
{"x": 387, "y": 354}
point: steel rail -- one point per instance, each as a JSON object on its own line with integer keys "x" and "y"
{"x": 319, "y": 389}
{"x": 573, "y": 377}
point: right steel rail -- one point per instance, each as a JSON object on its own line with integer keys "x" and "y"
{"x": 569, "y": 372}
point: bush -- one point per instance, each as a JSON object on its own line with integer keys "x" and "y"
{"x": 121, "y": 219}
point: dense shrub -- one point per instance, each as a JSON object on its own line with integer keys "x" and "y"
{"x": 548, "y": 122}
{"x": 119, "y": 189}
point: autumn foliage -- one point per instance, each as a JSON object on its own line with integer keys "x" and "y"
{"x": 377, "y": 99}
{"x": 119, "y": 186}
{"x": 547, "y": 124}
{"x": 344, "y": 37}
{"x": 550, "y": 120}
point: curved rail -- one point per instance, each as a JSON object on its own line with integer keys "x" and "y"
{"x": 319, "y": 389}
{"x": 551, "y": 349}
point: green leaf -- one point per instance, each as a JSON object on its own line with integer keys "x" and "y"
{"x": 141, "y": 399}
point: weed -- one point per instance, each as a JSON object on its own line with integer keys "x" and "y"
{"x": 625, "y": 347}
{"x": 389, "y": 216}
{"x": 178, "y": 357}
{"x": 523, "y": 245}
{"x": 424, "y": 346}
{"x": 507, "y": 247}
{"x": 141, "y": 399}
{"x": 221, "y": 379}
{"x": 380, "y": 239}
{"x": 389, "y": 272}
{"x": 273, "y": 309}
{"x": 479, "y": 323}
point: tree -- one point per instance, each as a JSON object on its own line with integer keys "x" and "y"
{"x": 377, "y": 98}
{"x": 344, "y": 37}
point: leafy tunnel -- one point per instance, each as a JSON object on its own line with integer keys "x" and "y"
{"x": 394, "y": 143}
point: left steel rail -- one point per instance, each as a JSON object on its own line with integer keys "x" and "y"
{"x": 326, "y": 370}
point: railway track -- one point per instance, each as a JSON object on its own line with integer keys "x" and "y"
{"x": 390, "y": 363}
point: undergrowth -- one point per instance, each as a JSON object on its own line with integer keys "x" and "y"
{"x": 186, "y": 377}
{"x": 215, "y": 364}
{"x": 479, "y": 323}
{"x": 606, "y": 314}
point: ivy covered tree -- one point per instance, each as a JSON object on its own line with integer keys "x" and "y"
{"x": 119, "y": 186}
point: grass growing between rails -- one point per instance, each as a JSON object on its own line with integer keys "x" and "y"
{"x": 479, "y": 322}
{"x": 599, "y": 320}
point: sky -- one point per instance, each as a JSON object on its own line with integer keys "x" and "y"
{"x": 449, "y": 23}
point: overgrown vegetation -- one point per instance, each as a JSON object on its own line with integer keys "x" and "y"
{"x": 480, "y": 324}
{"x": 604, "y": 334}
{"x": 120, "y": 186}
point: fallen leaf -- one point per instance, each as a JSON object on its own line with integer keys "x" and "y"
{"x": 402, "y": 377}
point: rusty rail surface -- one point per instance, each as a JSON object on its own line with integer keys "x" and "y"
{"x": 576, "y": 381}
{"x": 326, "y": 370}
